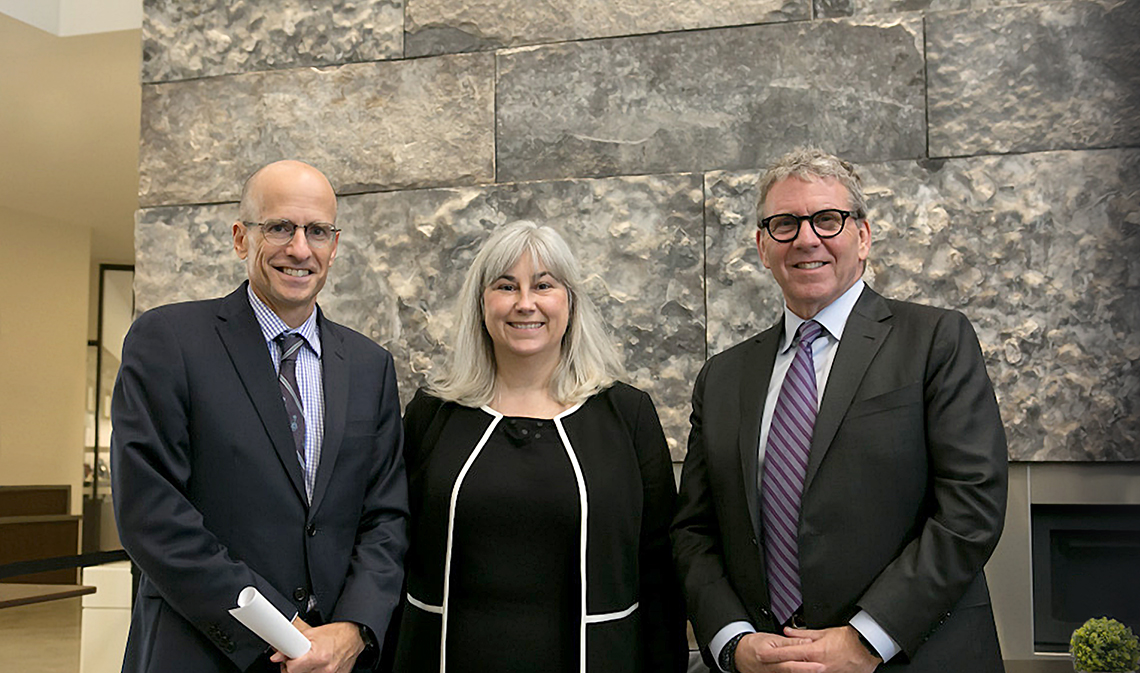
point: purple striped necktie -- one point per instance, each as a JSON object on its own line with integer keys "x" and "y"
{"x": 785, "y": 464}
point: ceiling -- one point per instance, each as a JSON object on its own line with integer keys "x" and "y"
{"x": 69, "y": 132}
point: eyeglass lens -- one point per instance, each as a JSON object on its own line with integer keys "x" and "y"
{"x": 280, "y": 232}
{"x": 825, "y": 222}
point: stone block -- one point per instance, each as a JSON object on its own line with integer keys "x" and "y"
{"x": 1043, "y": 76}
{"x": 445, "y": 26}
{"x": 723, "y": 98}
{"x": 368, "y": 126}
{"x": 402, "y": 256}
{"x": 1040, "y": 251}
{"x": 203, "y": 38}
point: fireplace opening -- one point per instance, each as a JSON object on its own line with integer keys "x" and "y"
{"x": 1086, "y": 563}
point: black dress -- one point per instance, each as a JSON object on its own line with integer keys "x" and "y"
{"x": 514, "y": 582}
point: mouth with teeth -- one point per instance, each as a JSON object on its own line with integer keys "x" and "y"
{"x": 808, "y": 265}
{"x": 526, "y": 325}
{"x": 296, "y": 273}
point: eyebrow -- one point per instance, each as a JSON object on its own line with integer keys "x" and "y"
{"x": 540, "y": 274}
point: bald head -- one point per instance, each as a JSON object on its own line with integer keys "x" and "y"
{"x": 272, "y": 180}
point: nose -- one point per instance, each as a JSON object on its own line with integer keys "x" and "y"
{"x": 806, "y": 238}
{"x": 298, "y": 246}
{"x": 524, "y": 300}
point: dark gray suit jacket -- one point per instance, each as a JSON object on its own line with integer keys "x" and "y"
{"x": 209, "y": 495}
{"x": 904, "y": 498}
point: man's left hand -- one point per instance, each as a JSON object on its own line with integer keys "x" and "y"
{"x": 335, "y": 649}
{"x": 838, "y": 649}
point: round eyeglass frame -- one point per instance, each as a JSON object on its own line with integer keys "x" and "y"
{"x": 308, "y": 239}
{"x": 765, "y": 223}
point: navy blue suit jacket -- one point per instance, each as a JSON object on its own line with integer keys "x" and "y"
{"x": 208, "y": 490}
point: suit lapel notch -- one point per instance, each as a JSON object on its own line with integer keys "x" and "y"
{"x": 753, "y": 394}
{"x": 242, "y": 338}
{"x": 866, "y": 330}
{"x": 335, "y": 375}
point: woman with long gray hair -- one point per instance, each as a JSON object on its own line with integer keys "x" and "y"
{"x": 541, "y": 487}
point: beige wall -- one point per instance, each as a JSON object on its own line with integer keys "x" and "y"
{"x": 43, "y": 353}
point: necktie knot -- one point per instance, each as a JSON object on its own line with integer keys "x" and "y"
{"x": 809, "y": 332}
{"x": 289, "y": 345}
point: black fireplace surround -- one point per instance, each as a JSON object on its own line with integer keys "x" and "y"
{"x": 1086, "y": 563}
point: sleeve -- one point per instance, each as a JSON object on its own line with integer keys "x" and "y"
{"x": 662, "y": 609}
{"x": 711, "y": 601}
{"x": 161, "y": 530}
{"x": 966, "y": 447}
{"x": 376, "y": 572}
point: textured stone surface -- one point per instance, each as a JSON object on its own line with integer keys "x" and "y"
{"x": 446, "y": 26}
{"x": 368, "y": 126}
{"x": 1041, "y": 251}
{"x": 861, "y": 7}
{"x": 1034, "y": 77}
{"x": 724, "y": 98}
{"x": 402, "y": 257}
{"x": 183, "y": 39}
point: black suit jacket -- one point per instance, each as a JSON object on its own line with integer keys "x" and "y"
{"x": 904, "y": 498}
{"x": 209, "y": 495}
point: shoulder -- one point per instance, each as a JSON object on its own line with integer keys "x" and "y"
{"x": 624, "y": 396}
{"x": 179, "y": 318}
{"x": 354, "y": 342}
{"x": 731, "y": 358}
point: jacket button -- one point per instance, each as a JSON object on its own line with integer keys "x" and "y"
{"x": 299, "y": 594}
{"x": 311, "y": 530}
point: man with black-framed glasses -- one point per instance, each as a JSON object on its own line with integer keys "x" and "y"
{"x": 258, "y": 443}
{"x": 845, "y": 480}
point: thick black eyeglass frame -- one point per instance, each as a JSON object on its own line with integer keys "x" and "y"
{"x": 333, "y": 228}
{"x": 844, "y": 214}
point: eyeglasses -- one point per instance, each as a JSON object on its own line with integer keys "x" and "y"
{"x": 825, "y": 223}
{"x": 280, "y": 232}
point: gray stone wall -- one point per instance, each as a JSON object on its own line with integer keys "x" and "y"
{"x": 1000, "y": 140}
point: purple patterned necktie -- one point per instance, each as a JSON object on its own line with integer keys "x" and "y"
{"x": 287, "y": 377}
{"x": 785, "y": 464}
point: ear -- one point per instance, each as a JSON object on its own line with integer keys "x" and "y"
{"x": 335, "y": 243}
{"x": 241, "y": 240}
{"x": 864, "y": 239}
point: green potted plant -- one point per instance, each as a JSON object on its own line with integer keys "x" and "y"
{"x": 1104, "y": 646}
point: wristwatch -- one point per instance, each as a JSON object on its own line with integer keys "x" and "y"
{"x": 370, "y": 653}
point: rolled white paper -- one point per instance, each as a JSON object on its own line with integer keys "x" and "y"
{"x": 260, "y": 616}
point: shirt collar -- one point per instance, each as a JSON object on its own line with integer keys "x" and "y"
{"x": 273, "y": 326}
{"x": 833, "y": 317}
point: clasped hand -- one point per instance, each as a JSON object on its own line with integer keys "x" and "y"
{"x": 335, "y": 649}
{"x": 834, "y": 650}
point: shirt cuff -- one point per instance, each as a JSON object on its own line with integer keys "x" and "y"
{"x": 722, "y": 637}
{"x": 884, "y": 645}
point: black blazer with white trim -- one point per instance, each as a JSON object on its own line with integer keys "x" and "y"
{"x": 634, "y": 614}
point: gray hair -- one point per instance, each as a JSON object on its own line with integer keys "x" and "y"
{"x": 589, "y": 361}
{"x": 811, "y": 164}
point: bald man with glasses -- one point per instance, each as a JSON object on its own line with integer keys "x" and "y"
{"x": 258, "y": 443}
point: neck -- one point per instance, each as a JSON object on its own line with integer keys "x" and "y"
{"x": 522, "y": 387}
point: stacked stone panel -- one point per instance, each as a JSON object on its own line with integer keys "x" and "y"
{"x": 998, "y": 139}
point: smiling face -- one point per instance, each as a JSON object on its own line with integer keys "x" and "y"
{"x": 526, "y": 311}
{"x": 813, "y": 271}
{"x": 287, "y": 277}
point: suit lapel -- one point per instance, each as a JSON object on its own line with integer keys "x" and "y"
{"x": 862, "y": 337}
{"x": 335, "y": 373}
{"x": 756, "y": 376}
{"x": 240, "y": 334}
